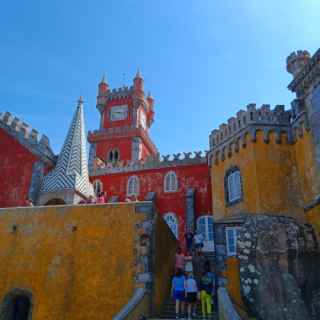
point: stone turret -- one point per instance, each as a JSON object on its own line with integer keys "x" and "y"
{"x": 103, "y": 86}
{"x": 138, "y": 84}
{"x": 69, "y": 181}
{"x": 297, "y": 61}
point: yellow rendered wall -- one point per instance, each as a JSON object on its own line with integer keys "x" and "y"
{"x": 313, "y": 217}
{"x": 309, "y": 176}
{"x": 245, "y": 160}
{"x": 85, "y": 273}
{"x": 232, "y": 274}
{"x": 165, "y": 249}
{"x": 269, "y": 176}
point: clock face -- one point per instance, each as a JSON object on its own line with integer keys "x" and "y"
{"x": 143, "y": 120}
{"x": 119, "y": 113}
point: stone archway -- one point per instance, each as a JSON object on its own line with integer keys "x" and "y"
{"x": 17, "y": 305}
{"x": 54, "y": 202}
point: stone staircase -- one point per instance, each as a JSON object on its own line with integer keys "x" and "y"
{"x": 168, "y": 312}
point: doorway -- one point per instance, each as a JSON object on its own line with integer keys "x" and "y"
{"x": 17, "y": 305}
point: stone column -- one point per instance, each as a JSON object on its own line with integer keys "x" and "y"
{"x": 190, "y": 214}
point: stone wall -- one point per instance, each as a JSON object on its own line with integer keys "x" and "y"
{"x": 279, "y": 263}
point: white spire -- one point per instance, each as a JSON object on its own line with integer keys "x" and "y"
{"x": 71, "y": 171}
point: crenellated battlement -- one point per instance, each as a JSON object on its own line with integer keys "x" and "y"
{"x": 239, "y": 130}
{"x": 120, "y": 93}
{"x": 177, "y": 159}
{"x": 114, "y": 94}
{"x": 260, "y": 118}
{"x": 27, "y": 136}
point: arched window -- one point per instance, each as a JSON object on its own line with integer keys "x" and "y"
{"x": 233, "y": 186}
{"x": 170, "y": 182}
{"x": 113, "y": 155}
{"x": 172, "y": 221}
{"x": 133, "y": 186}
{"x": 97, "y": 187}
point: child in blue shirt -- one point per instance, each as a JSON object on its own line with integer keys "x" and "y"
{"x": 178, "y": 291}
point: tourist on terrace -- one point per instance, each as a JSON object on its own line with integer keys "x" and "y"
{"x": 178, "y": 292}
{"x": 179, "y": 260}
{"x": 91, "y": 200}
{"x": 28, "y": 203}
{"x": 101, "y": 198}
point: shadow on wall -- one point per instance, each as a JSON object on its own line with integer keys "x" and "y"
{"x": 55, "y": 202}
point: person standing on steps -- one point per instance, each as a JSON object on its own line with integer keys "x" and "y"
{"x": 198, "y": 241}
{"x": 189, "y": 240}
{"x": 191, "y": 295}
{"x": 179, "y": 260}
{"x": 188, "y": 263}
{"x": 199, "y": 261}
{"x": 178, "y": 292}
{"x": 206, "y": 293}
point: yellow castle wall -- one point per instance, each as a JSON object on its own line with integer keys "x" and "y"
{"x": 308, "y": 174}
{"x": 82, "y": 274}
{"x": 269, "y": 176}
{"x": 165, "y": 249}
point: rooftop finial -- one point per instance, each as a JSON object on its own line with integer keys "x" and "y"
{"x": 150, "y": 97}
{"x": 138, "y": 75}
{"x": 80, "y": 101}
{"x": 104, "y": 78}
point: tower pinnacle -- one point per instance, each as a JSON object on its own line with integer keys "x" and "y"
{"x": 103, "y": 85}
{"x": 69, "y": 180}
{"x": 138, "y": 74}
{"x": 104, "y": 79}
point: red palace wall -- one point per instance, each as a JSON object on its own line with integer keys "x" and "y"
{"x": 189, "y": 176}
{"x": 15, "y": 170}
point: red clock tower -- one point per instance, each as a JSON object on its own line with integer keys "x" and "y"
{"x": 126, "y": 116}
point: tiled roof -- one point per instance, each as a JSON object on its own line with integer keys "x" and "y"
{"x": 71, "y": 171}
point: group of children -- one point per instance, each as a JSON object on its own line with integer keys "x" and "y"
{"x": 193, "y": 281}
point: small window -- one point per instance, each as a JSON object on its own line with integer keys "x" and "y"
{"x": 170, "y": 182}
{"x": 172, "y": 221}
{"x": 233, "y": 186}
{"x": 231, "y": 240}
{"x": 97, "y": 187}
{"x": 133, "y": 186}
{"x": 113, "y": 156}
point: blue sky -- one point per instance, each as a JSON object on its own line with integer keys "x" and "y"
{"x": 202, "y": 60}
